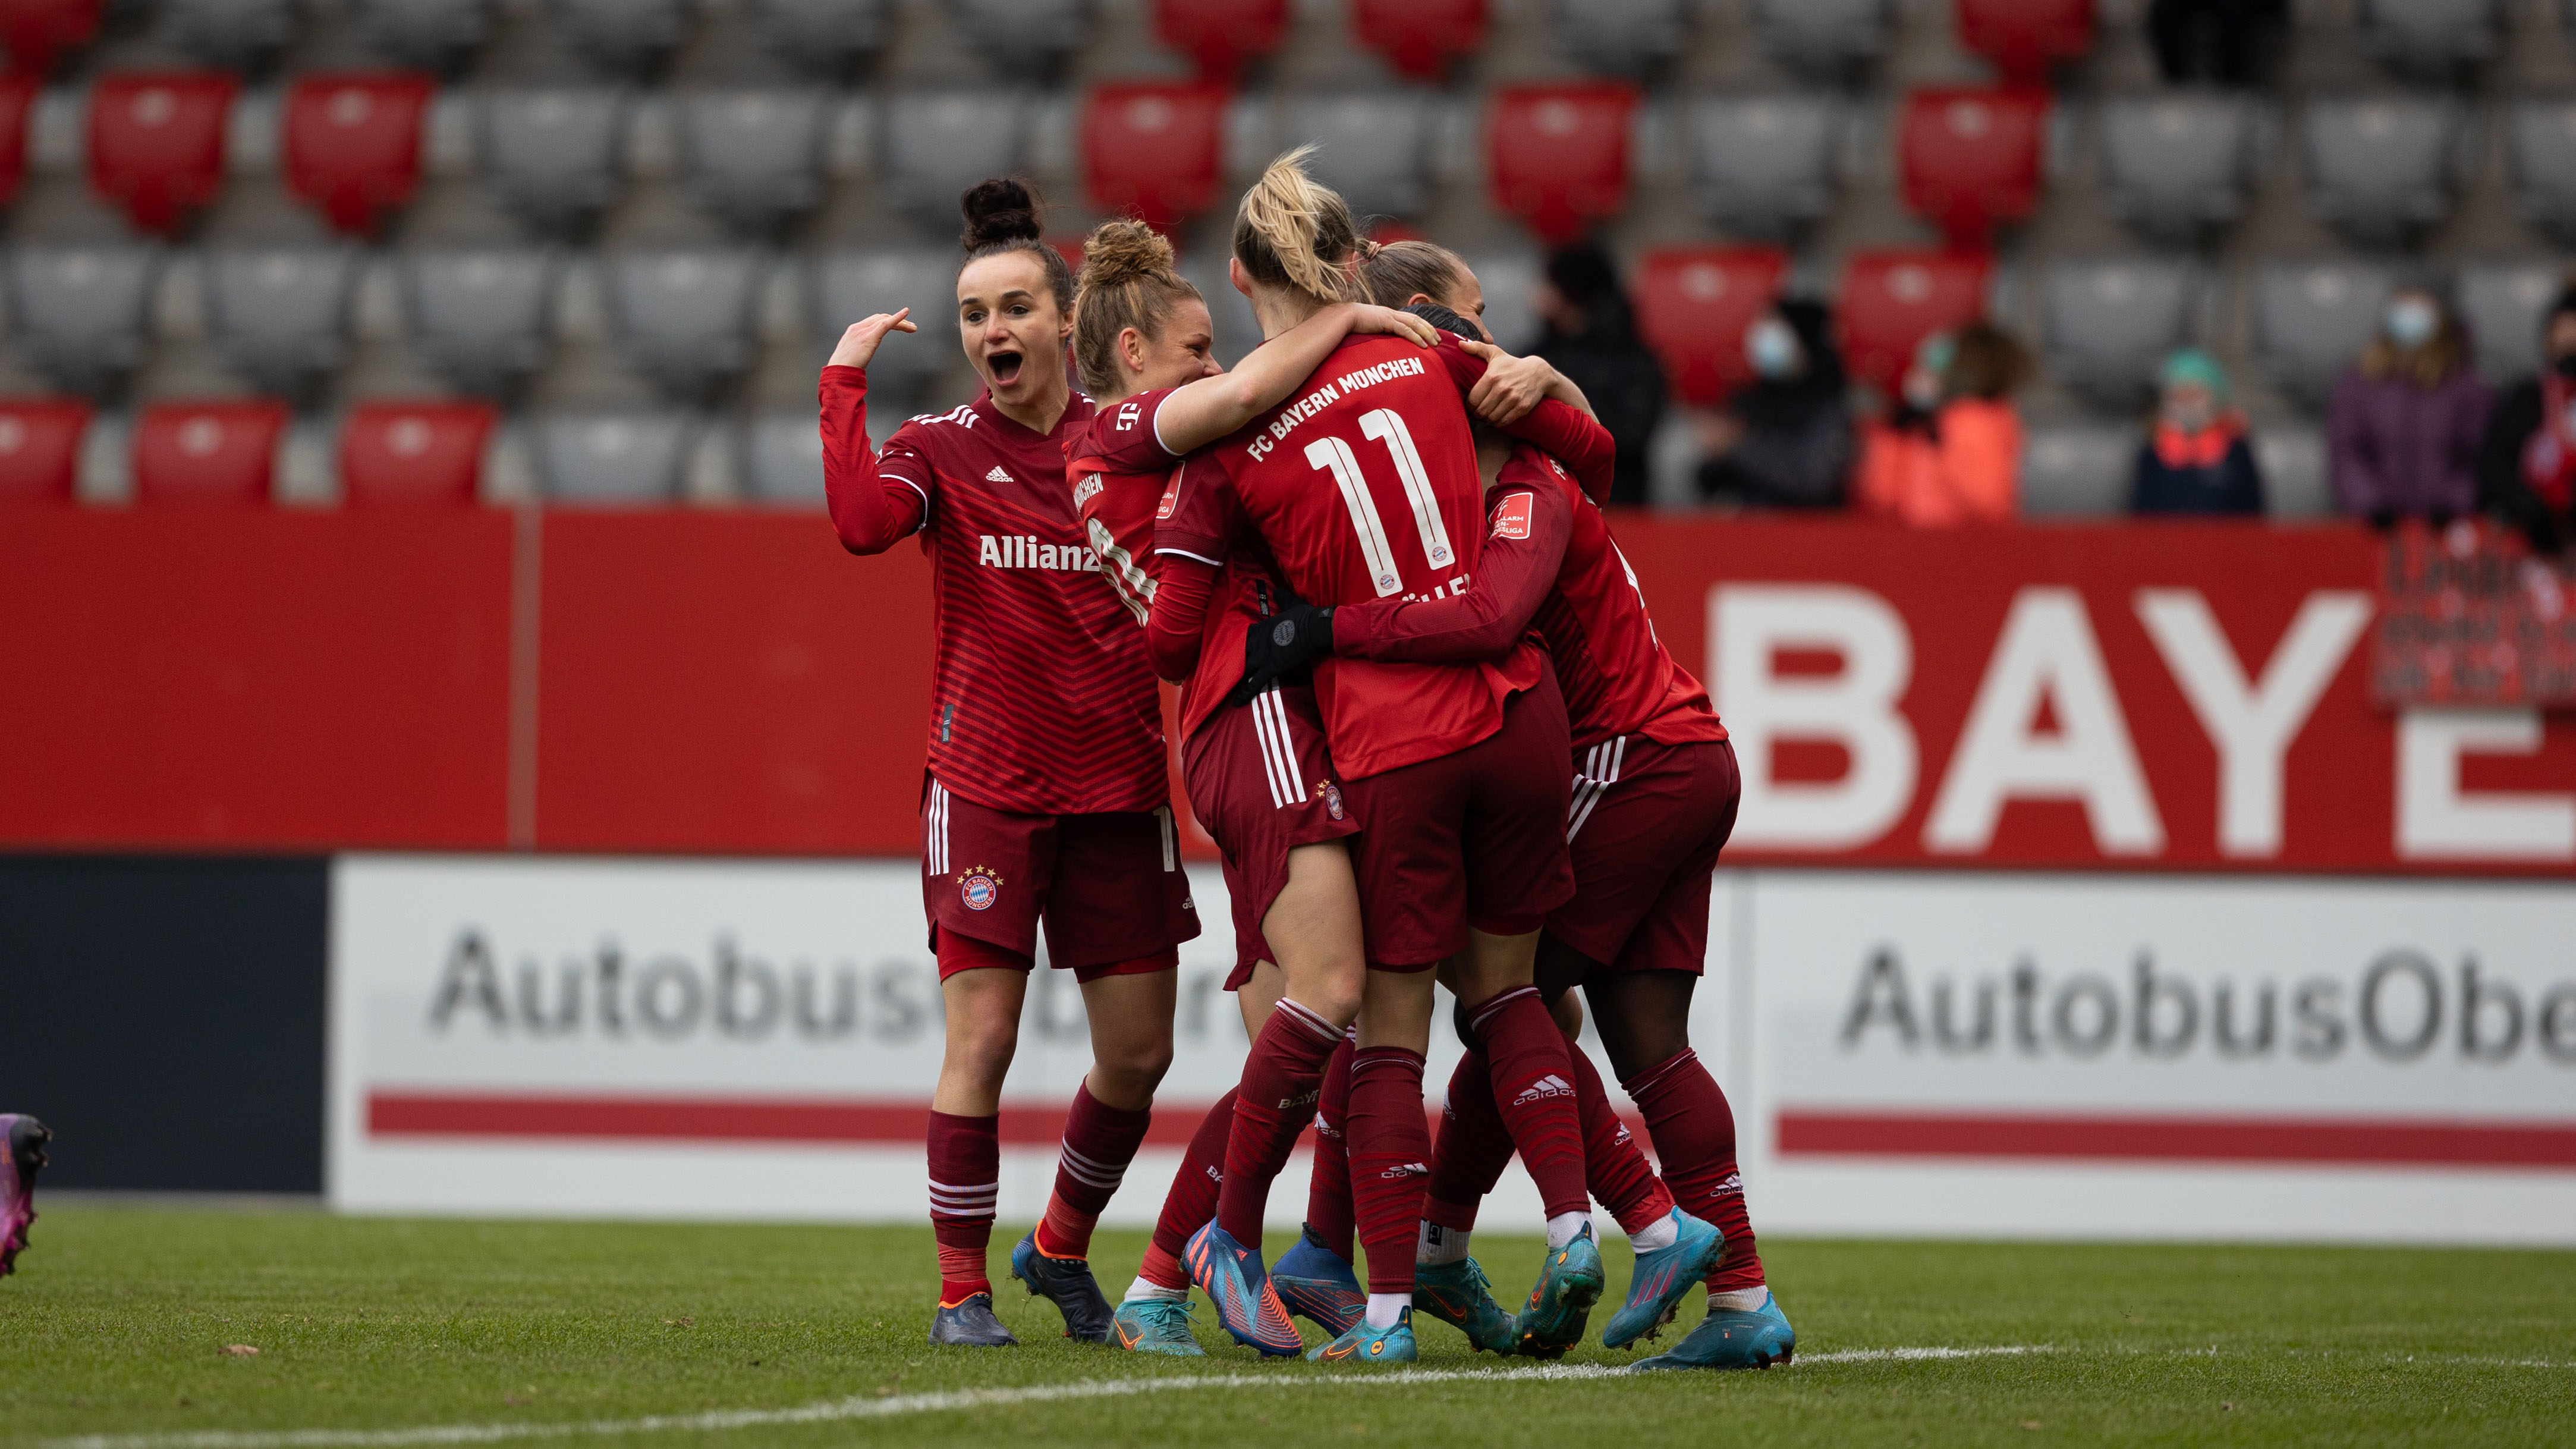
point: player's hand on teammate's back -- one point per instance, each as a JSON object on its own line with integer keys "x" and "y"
{"x": 1369, "y": 318}
{"x": 1510, "y": 387}
{"x": 1283, "y": 646}
{"x": 858, "y": 345}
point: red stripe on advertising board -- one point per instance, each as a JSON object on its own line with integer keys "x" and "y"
{"x": 878, "y": 1121}
{"x": 2178, "y": 1139}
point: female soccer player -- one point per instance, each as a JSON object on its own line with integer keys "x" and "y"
{"x": 1447, "y": 767}
{"x": 1046, "y": 796}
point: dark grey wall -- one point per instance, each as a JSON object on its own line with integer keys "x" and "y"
{"x": 164, "y": 1016}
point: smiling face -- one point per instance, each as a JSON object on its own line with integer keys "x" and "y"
{"x": 1012, "y": 329}
{"x": 1182, "y": 355}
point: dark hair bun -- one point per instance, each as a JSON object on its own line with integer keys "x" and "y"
{"x": 998, "y": 212}
{"x": 1447, "y": 321}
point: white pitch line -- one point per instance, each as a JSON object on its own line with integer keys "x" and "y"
{"x": 838, "y": 1410}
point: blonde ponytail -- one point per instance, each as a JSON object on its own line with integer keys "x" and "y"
{"x": 1294, "y": 232}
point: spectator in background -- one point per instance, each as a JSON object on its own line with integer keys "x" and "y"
{"x": 2402, "y": 435}
{"x": 2220, "y": 40}
{"x": 1592, "y": 338}
{"x": 2527, "y": 462}
{"x": 1950, "y": 453}
{"x": 1784, "y": 440}
{"x": 2197, "y": 458}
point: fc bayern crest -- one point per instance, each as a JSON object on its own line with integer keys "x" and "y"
{"x": 1332, "y": 794}
{"x": 979, "y": 888}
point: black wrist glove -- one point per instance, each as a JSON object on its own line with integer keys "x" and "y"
{"x": 1282, "y": 647}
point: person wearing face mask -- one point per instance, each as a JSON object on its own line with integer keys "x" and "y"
{"x": 2196, "y": 458}
{"x": 1950, "y": 451}
{"x": 2402, "y": 435}
{"x": 1785, "y": 439}
{"x": 2527, "y": 463}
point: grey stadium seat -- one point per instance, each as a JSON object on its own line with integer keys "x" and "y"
{"x": 629, "y": 457}
{"x": 685, "y": 317}
{"x": 2542, "y": 145}
{"x": 2110, "y": 324}
{"x": 846, "y": 286}
{"x": 1021, "y": 33}
{"x": 2174, "y": 164}
{"x": 2427, "y": 36}
{"x": 78, "y": 313}
{"x": 2379, "y": 167}
{"x": 281, "y": 314}
{"x": 1510, "y": 282}
{"x": 755, "y": 157}
{"x": 1822, "y": 35}
{"x": 1623, "y": 37}
{"x": 935, "y": 144}
{"x": 431, "y": 34}
{"x": 2079, "y": 470}
{"x": 230, "y": 33}
{"x": 481, "y": 317}
{"x": 2502, "y": 304}
{"x": 2311, "y": 320}
{"x": 1764, "y": 164}
{"x": 820, "y": 35}
{"x": 782, "y": 459}
{"x": 2293, "y": 464}
{"x": 629, "y": 37}
{"x": 1375, "y": 147}
{"x": 553, "y": 152}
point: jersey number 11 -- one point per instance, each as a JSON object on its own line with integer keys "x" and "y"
{"x": 1386, "y": 426}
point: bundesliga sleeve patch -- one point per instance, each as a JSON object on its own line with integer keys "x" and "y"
{"x": 1171, "y": 497}
{"x": 1512, "y": 516}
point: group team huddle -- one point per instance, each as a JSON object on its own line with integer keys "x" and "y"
{"x": 1372, "y": 558}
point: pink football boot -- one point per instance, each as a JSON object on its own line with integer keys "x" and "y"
{"x": 22, "y": 1152}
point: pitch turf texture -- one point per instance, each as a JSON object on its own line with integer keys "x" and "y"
{"x": 470, "y": 1332}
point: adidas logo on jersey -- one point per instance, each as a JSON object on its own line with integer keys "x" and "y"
{"x": 1023, "y": 551}
{"x": 1550, "y": 1085}
{"x": 997, "y": 475}
{"x": 1410, "y": 1169}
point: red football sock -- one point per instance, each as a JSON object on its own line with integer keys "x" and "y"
{"x": 1282, "y": 1079}
{"x": 1613, "y": 1168}
{"x": 965, "y": 1177}
{"x": 1192, "y": 1200}
{"x": 1533, "y": 1081}
{"x": 1694, "y": 1133}
{"x": 1390, "y": 1150}
{"x": 1328, "y": 1189}
{"x": 1472, "y": 1150}
{"x": 1099, "y": 1142}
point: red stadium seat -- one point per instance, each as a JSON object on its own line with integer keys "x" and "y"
{"x": 156, "y": 142}
{"x": 1157, "y": 151}
{"x": 2025, "y": 37}
{"x": 17, "y": 93}
{"x": 37, "y": 32}
{"x": 1693, "y": 305}
{"x": 40, "y": 444}
{"x": 353, "y": 143}
{"x": 1891, "y": 300}
{"x": 1970, "y": 158}
{"x": 414, "y": 454}
{"x": 200, "y": 454}
{"x": 1558, "y": 154}
{"x": 1221, "y": 34}
{"x": 1419, "y": 37}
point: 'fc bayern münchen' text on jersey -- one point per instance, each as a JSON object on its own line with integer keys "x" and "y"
{"x": 1041, "y": 698}
{"x": 1116, "y": 467}
{"x": 1364, "y": 486}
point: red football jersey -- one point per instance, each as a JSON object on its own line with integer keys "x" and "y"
{"x": 1041, "y": 698}
{"x": 1362, "y": 487}
{"x": 1117, "y": 466}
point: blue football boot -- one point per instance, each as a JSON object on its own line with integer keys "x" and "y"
{"x": 1364, "y": 1344}
{"x": 1155, "y": 1325}
{"x": 1730, "y": 1338}
{"x": 1460, "y": 1295}
{"x": 971, "y": 1324}
{"x": 1247, "y": 1307}
{"x": 1662, "y": 1279}
{"x": 1313, "y": 1280}
{"x": 1066, "y": 1282}
{"x": 1560, "y": 1303}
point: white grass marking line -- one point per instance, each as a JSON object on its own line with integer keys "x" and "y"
{"x": 838, "y": 1410}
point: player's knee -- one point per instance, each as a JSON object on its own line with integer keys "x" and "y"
{"x": 983, "y": 1049}
{"x": 1134, "y": 1069}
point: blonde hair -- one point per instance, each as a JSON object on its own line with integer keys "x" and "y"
{"x": 1394, "y": 274}
{"x": 1291, "y": 231}
{"x": 1128, "y": 280}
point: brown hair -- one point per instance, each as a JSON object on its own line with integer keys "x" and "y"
{"x": 1294, "y": 232}
{"x": 2428, "y": 366}
{"x": 1002, "y": 216}
{"x": 1127, "y": 281}
{"x": 1988, "y": 363}
{"x": 1397, "y": 272}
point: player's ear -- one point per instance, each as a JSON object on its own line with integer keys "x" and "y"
{"x": 1237, "y": 276}
{"x": 1131, "y": 349}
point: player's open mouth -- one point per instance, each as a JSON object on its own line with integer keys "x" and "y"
{"x": 1006, "y": 367}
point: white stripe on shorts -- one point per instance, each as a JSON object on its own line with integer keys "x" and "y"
{"x": 1600, "y": 771}
{"x": 934, "y": 855}
{"x": 1278, "y": 760}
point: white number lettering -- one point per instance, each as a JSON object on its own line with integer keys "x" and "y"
{"x": 1386, "y": 426}
{"x": 1335, "y": 454}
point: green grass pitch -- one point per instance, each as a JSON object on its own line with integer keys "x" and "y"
{"x": 117, "y": 1323}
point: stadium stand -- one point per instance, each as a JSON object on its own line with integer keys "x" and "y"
{"x": 353, "y": 144}
{"x": 846, "y": 286}
{"x": 77, "y": 312}
{"x": 1019, "y": 34}
{"x": 1375, "y": 147}
{"x": 2025, "y": 37}
{"x": 414, "y": 454}
{"x": 40, "y": 447}
{"x": 2431, "y": 36}
{"x": 2175, "y": 164}
{"x": 156, "y": 142}
{"x": 782, "y": 460}
{"x": 1823, "y": 36}
{"x": 432, "y": 35}
{"x": 207, "y": 453}
{"x": 2108, "y": 325}
{"x": 17, "y": 94}
{"x": 938, "y": 143}
{"x": 479, "y": 316}
{"x": 2077, "y": 470}
{"x": 281, "y": 314}
{"x": 1157, "y": 151}
{"x": 1419, "y": 37}
{"x": 2503, "y": 304}
{"x": 2541, "y": 142}
{"x": 1971, "y": 159}
{"x": 1620, "y": 37}
{"x": 234, "y": 34}
{"x": 37, "y": 33}
{"x": 684, "y": 317}
{"x": 624, "y": 37}
{"x": 2311, "y": 320}
{"x": 2382, "y": 167}
{"x": 1693, "y": 304}
{"x": 755, "y": 156}
{"x": 552, "y": 153}
{"x": 820, "y": 36}
{"x": 613, "y": 458}
{"x": 1558, "y": 155}
{"x": 1891, "y": 300}
{"x": 1764, "y": 165}
{"x": 1220, "y": 36}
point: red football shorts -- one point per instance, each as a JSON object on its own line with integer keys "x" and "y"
{"x": 1261, "y": 782}
{"x": 1472, "y": 836}
{"x": 1647, "y": 823}
{"x": 1110, "y": 887}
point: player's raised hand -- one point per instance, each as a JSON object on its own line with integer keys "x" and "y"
{"x": 858, "y": 346}
{"x": 1368, "y": 318}
{"x": 1511, "y": 385}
